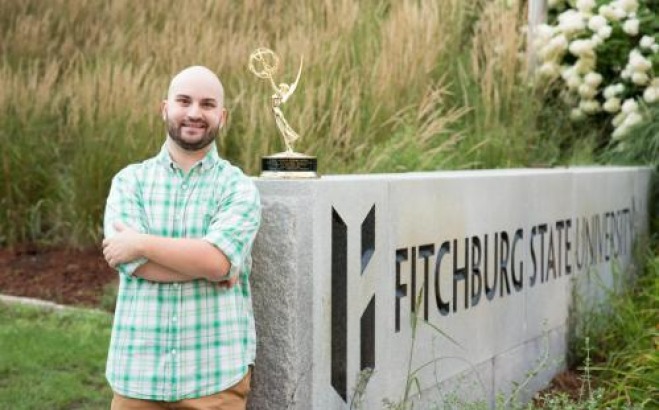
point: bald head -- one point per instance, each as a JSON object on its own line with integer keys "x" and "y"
{"x": 199, "y": 78}
{"x": 194, "y": 109}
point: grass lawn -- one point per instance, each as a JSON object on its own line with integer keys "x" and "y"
{"x": 53, "y": 359}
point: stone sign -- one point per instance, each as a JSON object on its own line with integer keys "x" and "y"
{"x": 486, "y": 261}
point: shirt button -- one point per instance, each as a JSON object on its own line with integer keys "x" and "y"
{"x": 173, "y": 351}
{"x": 174, "y": 319}
{"x": 176, "y": 285}
{"x": 184, "y": 186}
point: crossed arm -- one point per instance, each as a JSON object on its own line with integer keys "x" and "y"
{"x": 169, "y": 259}
{"x": 216, "y": 257}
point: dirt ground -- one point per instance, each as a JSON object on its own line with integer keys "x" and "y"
{"x": 59, "y": 275}
{"x": 569, "y": 382}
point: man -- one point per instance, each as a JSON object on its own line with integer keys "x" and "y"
{"x": 179, "y": 228}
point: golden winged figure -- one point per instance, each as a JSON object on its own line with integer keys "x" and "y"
{"x": 264, "y": 63}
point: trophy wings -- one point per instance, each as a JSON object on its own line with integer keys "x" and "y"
{"x": 284, "y": 90}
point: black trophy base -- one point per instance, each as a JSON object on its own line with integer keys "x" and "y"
{"x": 289, "y": 165}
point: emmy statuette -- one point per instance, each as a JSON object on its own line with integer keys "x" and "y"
{"x": 264, "y": 63}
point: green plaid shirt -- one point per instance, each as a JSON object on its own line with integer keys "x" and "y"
{"x": 172, "y": 341}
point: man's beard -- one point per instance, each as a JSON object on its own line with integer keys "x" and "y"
{"x": 206, "y": 139}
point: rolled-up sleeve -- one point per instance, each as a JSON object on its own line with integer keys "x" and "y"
{"x": 125, "y": 205}
{"x": 233, "y": 227}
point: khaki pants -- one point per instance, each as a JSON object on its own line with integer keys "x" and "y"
{"x": 233, "y": 398}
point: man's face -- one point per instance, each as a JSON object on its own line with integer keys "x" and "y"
{"x": 194, "y": 110}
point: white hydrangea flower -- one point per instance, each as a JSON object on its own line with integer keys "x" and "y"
{"x": 574, "y": 82}
{"x": 609, "y": 92}
{"x": 576, "y": 114}
{"x": 618, "y": 119}
{"x": 605, "y": 32}
{"x": 637, "y": 62}
{"x": 608, "y": 13}
{"x": 587, "y": 92}
{"x": 585, "y": 6}
{"x": 571, "y": 77}
{"x": 585, "y": 64}
{"x": 620, "y": 13}
{"x": 549, "y": 70}
{"x": 630, "y": 6}
{"x": 632, "y": 119}
{"x": 567, "y": 71}
{"x": 545, "y": 53}
{"x": 613, "y": 90}
{"x": 647, "y": 42}
{"x": 596, "y": 23}
{"x": 626, "y": 74}
{"x": 623, "y": 122}
{"x": 571, "y": 22}
{"x": 540, "y": 43}
{"x": 593, "y": 79}
{"x": 620, "y": 132}
{"x": 640, "y": 78}
{"x": 597, "y": 40}
{"x": 655, "y": 48}
{"x": 630, "y": 105}
{"x": 560, "y": 42}
{"x": 544, "y": 31}
{"x": 651, "y": 95}
{"x": 631, "y": 27}
{"x": 554, "y": 49}
{"x": 582, "y": 47}
{"x": 590, "y": 106}
{"x": 612, "y": 105}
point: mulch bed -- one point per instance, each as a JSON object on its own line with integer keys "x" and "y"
{"x": 569, "y": 382}
{"x": 71, "y": 277}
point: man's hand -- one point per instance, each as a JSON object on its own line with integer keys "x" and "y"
{"x": 125, "y": 246}
{"x": 228, "y": 284}
{"x": 179, "y": 259}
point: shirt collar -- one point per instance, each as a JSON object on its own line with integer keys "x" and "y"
{"x": 211, "y": 158}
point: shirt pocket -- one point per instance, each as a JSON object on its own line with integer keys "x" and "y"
{"x": 160, "y": 208}
{"x": 200, "y": 215}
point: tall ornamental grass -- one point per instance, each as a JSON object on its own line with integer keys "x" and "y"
{"x": 387, "y": 86}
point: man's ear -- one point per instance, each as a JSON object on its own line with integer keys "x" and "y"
{"x": 163, "y": 109}
{"x": 223, "y": 117}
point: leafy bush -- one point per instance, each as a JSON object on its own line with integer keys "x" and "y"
{"x": 602, "y": 56}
